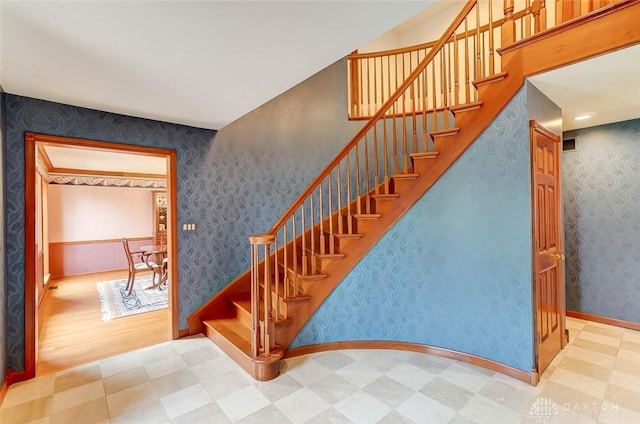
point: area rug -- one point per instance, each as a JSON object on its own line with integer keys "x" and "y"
{"x": 116, "y": 303}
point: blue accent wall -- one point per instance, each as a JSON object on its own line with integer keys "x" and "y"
{"x": 232, "y": 183}
{"x": 601, "y": 196}
{"x": 456, "y": 270}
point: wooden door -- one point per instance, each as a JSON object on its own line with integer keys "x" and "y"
{"x": 547, "y": 238}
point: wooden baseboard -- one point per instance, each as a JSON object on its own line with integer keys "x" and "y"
{"x": 527, "y": 377}
{"x": 3, "y": 389}
{"x": 604, "y": 320}
{"x": 183, "y": 333}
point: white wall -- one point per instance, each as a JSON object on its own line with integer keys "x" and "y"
{"x": 79, "y": 213}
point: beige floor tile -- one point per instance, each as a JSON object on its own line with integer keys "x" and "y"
{"x": 448, "y": 394}
{"x": 625, "y": 380}
{"x": 420, "y": 408}
{"x": 615, "y": 414}
{"x": 90, "y": 412}
{"x": 207, "y": 414}
{"x": 77, "y": 395}
{"x": 149, "y": 411}
{"x": 125, "y": 380}
{"x": 77, "y": 377}
{"x": 26, "y": 411}
{"x": 629, "y": 345}
{"x": 585, "y": 368}
{"x": 604, "y": 329}
{"x": 629, "y": 355}
{"x": 123, "y": 400}
{"x": 580, "y": 382}
{"x": 599, "y": 338}
{"x": 622, "y": 397}
{"x": 185, "y": 400}
{"x": 595, "y": 347}
{"x": 583, "y": 354}
{"x": 627, "y": 366}
{"x": 174, "y": 382}
{"x": 30, "y": 390}
{"x": 632, "y": 336}
{"x": 570, "y": 402}
{"x": 486, "y": 411}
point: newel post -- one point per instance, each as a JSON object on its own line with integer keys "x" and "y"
{"x": 509, "y": 26}
{"x": 261, "y": 329}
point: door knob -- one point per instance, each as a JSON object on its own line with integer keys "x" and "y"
{"x": 557, "y": 256}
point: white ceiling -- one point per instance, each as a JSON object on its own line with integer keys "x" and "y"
{"x": 199, "y": 63}
{"x": 606, "y": 87}
{"x": 207, "y": 63}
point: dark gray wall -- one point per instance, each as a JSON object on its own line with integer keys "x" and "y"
{"x": 543, "y": 110}
{"x": 601, "y": 194}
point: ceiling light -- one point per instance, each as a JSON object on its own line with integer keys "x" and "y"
{"x": 581, "y": 117}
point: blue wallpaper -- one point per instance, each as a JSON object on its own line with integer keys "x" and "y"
{"x": 601, "y": 196}
{"x": 3, "y": 277}
{"x": 232, "y": 183}
{"x": 455, "y": 271}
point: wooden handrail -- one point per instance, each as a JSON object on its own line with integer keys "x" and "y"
{"x": 374, "y": 119}
{"x": 373, "y": 163}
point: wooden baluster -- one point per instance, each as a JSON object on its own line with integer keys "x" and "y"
{"x": 368, "y": 99}
{"x": 394, "y": 140}
{"x": 322, "y": 235}
{"x": 276, "y": 281}
{"x": 508, "y": 25}
{"x": 267, "y": 318}
{"x": 339, "y": 199}
{"x": 255, "y": 296}
{"x": 456, "y": 71}
{"x": 294, "y": 238}
{"x": 434, "y": 95}
{"x": 527, "y": 20}
{"x": 312, "y": 237}
{"x": 376, "y": 180}
{"x": 285, "y": 262}
{"x": 385, "y": 161}
{"x": 355, "y": 88}
{"x": 491, "y": 46}
{"x": 467, "y": 81}
{"x": 425, "y": 97}
{"x": 361, "y": 90}
{"x": 536, "y": 8}
{"x": 405, "y": 154}
{"x": 357, "y": 166}
{"x": 443, "y": 89}
{"x": 348, "y": 178}
{"x": 305, "y": 270}
{"x": 366, "y": 172}
{"x": 414, "y": 87}
{"x": 478, "y": 59}
{"x": 332, "y": 239}
{"x": 543, "y": 16}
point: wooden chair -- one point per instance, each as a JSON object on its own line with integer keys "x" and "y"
{"x": 139, "y": 262}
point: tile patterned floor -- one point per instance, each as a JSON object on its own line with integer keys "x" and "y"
{"x": 595, "y": 379}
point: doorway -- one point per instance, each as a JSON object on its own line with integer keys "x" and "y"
{"x": 34, "y": 253}
{"x": 548, "y": 265}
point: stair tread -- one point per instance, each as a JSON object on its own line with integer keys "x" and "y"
{"x": 233, "y": 330}
{"x": 444, "y": 133}
{"x": 367, "y": 215}
{"x": 488, "y": 80}
{"x": 466, "y": 107}
{"x": 385, "y": 196}
{"x": 354, "y": 236}
{"x": 424, "y": 155}
{"x": 408, "y": 176}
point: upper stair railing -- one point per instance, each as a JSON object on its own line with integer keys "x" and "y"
{"x": 285, "y": 258}
{"x": 374, "y": 76}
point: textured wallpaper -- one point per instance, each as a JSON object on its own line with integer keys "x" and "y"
{"x": 455, "y": 271}
{"x": 3, "y": 280}
{"x": 601, "y": 195}
{"x": 232, "y": 184}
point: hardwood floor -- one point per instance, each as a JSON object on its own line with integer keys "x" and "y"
{"x": 71, "y": 331}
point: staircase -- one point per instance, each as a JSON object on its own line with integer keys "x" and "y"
{"x": 413, "y": 137}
